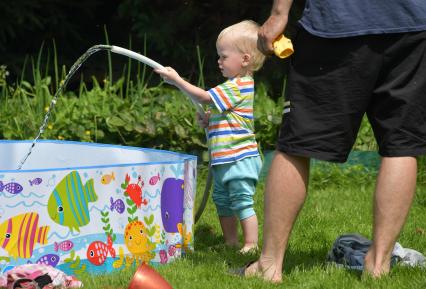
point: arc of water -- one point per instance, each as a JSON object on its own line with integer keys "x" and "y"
{"x": 73, "y": 69}
{"x": 76, "y": 66}
{"x": 136, "y": 56}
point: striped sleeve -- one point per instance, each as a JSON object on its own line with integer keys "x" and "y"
{"x": 225, "y": 96}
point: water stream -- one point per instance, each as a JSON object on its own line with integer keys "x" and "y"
{"x": 115, "y": 49}
{"x": 92, "y": 50}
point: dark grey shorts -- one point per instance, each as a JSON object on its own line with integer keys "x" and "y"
{"x": 332, "y": 83}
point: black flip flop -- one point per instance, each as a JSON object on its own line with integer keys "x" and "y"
{"x": 241, "y": 272}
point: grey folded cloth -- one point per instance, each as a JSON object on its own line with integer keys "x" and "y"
{"x": 349, "y": 251}
{"x": 409, "y": 257}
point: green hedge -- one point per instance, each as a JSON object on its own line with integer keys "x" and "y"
{"x": 125, "y": 112}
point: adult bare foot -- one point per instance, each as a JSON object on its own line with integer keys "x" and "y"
{"x": 263, "y": 269}
{"x": 375, "y": 268}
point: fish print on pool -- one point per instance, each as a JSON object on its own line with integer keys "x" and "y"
{"x": 12, "y": 188}
{"x": 19, "y": 234}
{"x": 68, "y": 203}
{"x": 35, "y": 182}
{"x": 64, "y": 245}
{"x": 48, "y": 259}
{"x": 98, "y": 251}
{"x": 96, "y": 220}
{"x": 117, "y": 205}
{"x": 107, "y": 178}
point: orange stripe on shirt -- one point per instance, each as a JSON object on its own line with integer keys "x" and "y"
{"x": 224, "y": 98}
{"x": 246, "y": 110}
{"x": 225, "y": 125}
{"x": 230, "y": 152}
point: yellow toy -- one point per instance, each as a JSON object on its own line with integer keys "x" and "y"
{"x": 283, "y": 47}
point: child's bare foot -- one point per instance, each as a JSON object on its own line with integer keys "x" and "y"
{"x": 249, "y": 248}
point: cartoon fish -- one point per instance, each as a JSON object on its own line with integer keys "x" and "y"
{"x": 98, "y": 251}
{"x": 13, "y": 188}
{"x": 106, "y": 179}
{"x": 49, "y": 259}
{"x": 172, "y": 204}
{"x": 118, "y": 205}
{"x": 20, "y": 233}
{"x": 68, "y": 203}
{"x": 154, "y": 179}
{"x": 135, "y": 192}
{"x": 64, "y": 245}
{"x": 163, "y": 256}
{"x": 36, "y": 181}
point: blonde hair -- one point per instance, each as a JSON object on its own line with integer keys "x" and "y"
{"x": 244, "y": 38}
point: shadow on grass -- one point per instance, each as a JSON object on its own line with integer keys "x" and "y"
{"x": 206, "y": 237}
{"x": 210, "y": 249}
{"x": 306, "y": 259}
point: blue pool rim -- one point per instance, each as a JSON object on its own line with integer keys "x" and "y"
{"x": 184, "y": 157}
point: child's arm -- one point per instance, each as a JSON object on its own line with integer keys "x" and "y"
{"x": 172, "y": 77}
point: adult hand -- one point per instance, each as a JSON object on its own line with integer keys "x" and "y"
{"x": 272, "y": 28}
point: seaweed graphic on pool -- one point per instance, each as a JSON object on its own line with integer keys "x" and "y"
{"x": 74, "y": 263}
{"x": 107, "y": 228}
{"x": 137, "y": 234}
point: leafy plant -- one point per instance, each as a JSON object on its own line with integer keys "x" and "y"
{"x": 125, "y": 111}
{"x": 267, "y": 115}
{"x": 365, "y": 140}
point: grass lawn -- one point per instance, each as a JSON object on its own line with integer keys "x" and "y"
{"x": 339, "y": 202}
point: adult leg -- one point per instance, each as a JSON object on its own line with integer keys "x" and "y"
{"x": 285, "y": 194}
{"x": 394, "y": 194}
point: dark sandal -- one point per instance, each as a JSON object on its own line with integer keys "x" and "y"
{"x": 241, "y": 271}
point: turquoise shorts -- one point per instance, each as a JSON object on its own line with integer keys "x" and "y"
{"x": 234, "y": 187}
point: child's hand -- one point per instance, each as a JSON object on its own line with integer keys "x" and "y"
{"x": 168, "y": 74}
{"x": 203, "y": 120}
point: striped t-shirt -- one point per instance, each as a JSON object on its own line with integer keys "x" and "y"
{"x": 231, "y": 123}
